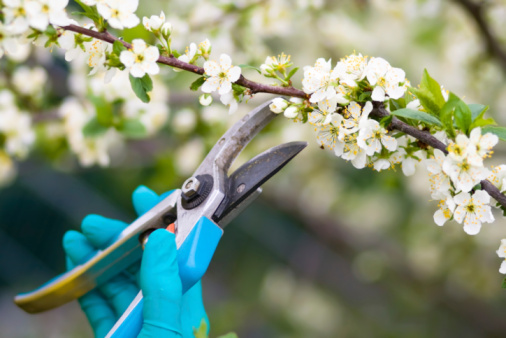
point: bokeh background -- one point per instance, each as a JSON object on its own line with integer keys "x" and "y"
{"x": 327, "y": 250}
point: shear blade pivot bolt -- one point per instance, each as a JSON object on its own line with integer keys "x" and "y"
{"x": 191, "y": 186}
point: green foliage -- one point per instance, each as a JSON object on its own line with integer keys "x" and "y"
{"x": 292, "y": 73}
{"x": 418, "y": 116}
{"x": 132, "y": 128}
{"x": 429, "y": 94}
{"x": 477, "y": 111}
{"x": 94, "y": 128}
{"x": 503, "y": 283}
{"x": 104, "y": 110}
{"x": 499, "y": 131}
{"x": 91, "y": 12}
{"x": 197, "y": 83}
{"x": 385, "y": 122}
{"x": 141, "y": 87}
{"x": 461, "y": 112}
{"x": 244, "y": 66}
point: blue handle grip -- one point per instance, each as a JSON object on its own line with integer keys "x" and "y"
{"x": 193, "y": 258}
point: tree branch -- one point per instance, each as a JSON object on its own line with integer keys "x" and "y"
{"x": 428, "y": 138}
{"x": 255, "y": 87}
{"x": 475, "y": 10}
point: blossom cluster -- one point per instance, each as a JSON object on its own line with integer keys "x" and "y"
{"x": 16, "y": 134}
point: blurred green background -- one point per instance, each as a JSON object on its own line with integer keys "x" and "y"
{"x": 327, "y": 250}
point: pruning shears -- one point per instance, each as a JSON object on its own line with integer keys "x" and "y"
{"x": 197, "y": 214}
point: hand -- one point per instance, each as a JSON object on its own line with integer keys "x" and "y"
{"x": 167, "y": 313}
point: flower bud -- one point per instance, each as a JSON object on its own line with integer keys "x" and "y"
{"x": 278, "y": 105}
{"x": 291, "y": 112}
{"x": 166, "y": 30}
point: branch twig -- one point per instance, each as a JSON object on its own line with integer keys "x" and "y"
{"x": 255, "y": 87}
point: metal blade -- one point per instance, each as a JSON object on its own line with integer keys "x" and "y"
{"x": 252, "y": 174}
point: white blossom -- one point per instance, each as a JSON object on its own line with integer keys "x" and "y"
{"x": 497, "y": 177}
{"x": 43, "y": 12}
{"x": 8, "y": 43}
{"x": 229, "y": 100}
{"x": 220, "y": 75}
{"x": 328, "y": 134}
{"x": 204, "y": 49}
{"x": 322, "y": 115}
{"x": 439, "y": 181}
{"x": 473, "y": 210}
{"x": 119, "y": 14}
{"x": 349, "y": 150}
{"x": 386, "y": 80}
{"x": 501, "y": 252}
{"x": 291, "y": 112}
{"x": 16, "y": 126}
{"x": 141, "y": 59}
{"x": 372, "y": 136}
{"x": 481, "y": 146}
{"x": 351, "y": 69}
{"x": 445, "y": 212}
{"x": 154, "y": 23}
{"x": 16, "y": 16}
{"x": 464, "y": 175}
{"x": 89, "y": 150}
{"x": 278, "y": 105}
{"x": 189, "y": 53}
{"x": 205, "y": 99}
{"x": 29, "y": 81}
{"x": 319, "y": 81}
{"x": 354, "y": 115}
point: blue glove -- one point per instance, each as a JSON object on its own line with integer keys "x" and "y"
{"x": 167, "y": 313}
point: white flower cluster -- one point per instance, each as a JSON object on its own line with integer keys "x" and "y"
{"x": 119, "y": 14}
{"x": 77, "y": 113}
{"x": 16, "y": 135}
{"x": 220, "y": 77}
{"x": 339, "y": 84}
{"x": 453, "y": 178}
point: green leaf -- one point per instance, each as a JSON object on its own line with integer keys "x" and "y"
{"x": 292, "y": 73}
{"x": 499, "y": 131}
{"x": 141, "y": 87}
{"x": 132, "y": 128}
{"x": 197, "y": 83}
{"x": 364, "y": 97}
{"x": 427, "y": 101}
{"x": 463, "y": 115}
{"x": 504, "y": 283}
{"x": 118, "y": 47}
{"x": 418, "y": 116}
{"x": 478, "y": 110}
{"x": 89, "y": 12}
{"x": 104, "y": 110}
{"x": 385, "y": 122}
{"x": 93, "y": 128}
{"x": 244, "y": 66}
{"x": 431, "y": 86}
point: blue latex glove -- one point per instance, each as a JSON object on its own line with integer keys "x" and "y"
{"x": 167, "y": 313}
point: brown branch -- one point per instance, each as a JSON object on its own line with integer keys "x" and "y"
{"x": 475, "y": 10}
{"x": 428, "y": 138}
{"x": 255, "y": 87}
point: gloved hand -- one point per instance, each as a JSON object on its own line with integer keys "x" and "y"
{"x": 167, "y": 313}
